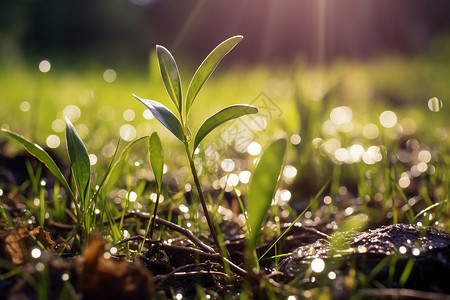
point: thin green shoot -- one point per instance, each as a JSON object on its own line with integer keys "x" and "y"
{"x": 244, "y": 211}
{"x": 378, "y": 268}
{"x": 277, "y": 256}
{"x": 296, "y": 219}
{"x": 263, "y": 184}
{"x": 41, "y": 214}
{"x": 391, "y": 271}
{"x": 429, "y": 208}
{"x": 6, "y": 216}
{"x": 406, "y": 272}
{"x": 410, "y": 212}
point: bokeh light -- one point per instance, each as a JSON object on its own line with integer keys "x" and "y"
{"x": 25, "y": 106}
{"x": 109, "y": 75}
{"x": 53, "y": 141}
{"x": 434, "y": 104}
{"x": 388, "y": 119}
{"x": 44, "y": 66}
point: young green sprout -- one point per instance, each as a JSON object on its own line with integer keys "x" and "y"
{"x": 178, "y": 124}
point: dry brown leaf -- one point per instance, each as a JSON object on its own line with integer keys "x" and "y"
{"x": 103, "y": 278}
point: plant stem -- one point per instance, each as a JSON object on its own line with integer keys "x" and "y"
{"x": 202, "y": 200}
{"x": 151, "y": 223}
{"x": 152, "y": 226}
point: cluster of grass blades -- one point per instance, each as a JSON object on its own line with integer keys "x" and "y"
{"x": 85, "y": 198}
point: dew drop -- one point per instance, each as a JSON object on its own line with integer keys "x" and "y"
{"x": 40, "y": 267}
{"x": 44, "y": 66}
{"x": 332, "y": 275}
{"x": 147, "y": 114}
{"x": 25, "y": 106}
{"x": 109, "y": 75}
{"x": 65, "y": 277}
{"x": 92, "y": 159}
{"x": 254, "y": 148}
{"x": 318, "y": 265}
{"x": 370, "y": 131}
{"x": 388, "y": 119}
{"x": 132, "y": 196}
{"x": 244, "y": 176}
{"x": 127, "y": 132}
{"x": 362, "y": 249}
{"x": 327, "y": 200}
{"x": 434, "y": 104}
{"x": 228, "y": 165}
{"x": 341, "y": 115}
{"x": 296, "y": 139}
{"x": 183, "y": 208}
{"x": 289, "y": 171}
{"x": 129, "y": 115}
{"x": 36, "y": 253}
{"x": 416, "y": 252}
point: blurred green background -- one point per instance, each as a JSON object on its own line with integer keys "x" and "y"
{"x": 322, "y": 73}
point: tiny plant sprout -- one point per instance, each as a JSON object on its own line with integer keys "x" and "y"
{"x": 157, "y": 163}
{"x": 81, "y": 173}
{"x": 263, "y": 185}
{"x": 177, "y": 123}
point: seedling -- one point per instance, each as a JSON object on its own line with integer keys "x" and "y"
{"x": 157, "y": 162}
{"x": 81, "y": 170}
{"x": 84, "y": 201}
{"x": 179, "y": 124}
{"x": 262, "y": 188}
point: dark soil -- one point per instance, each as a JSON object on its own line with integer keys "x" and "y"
{"x": 188, "y": 263}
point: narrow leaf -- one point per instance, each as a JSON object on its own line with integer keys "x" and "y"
{"x": 43, "y": 156}
{"x": 165, "y": 116}
{"x": 226, "y": 114}
{"x": 115, "y": 172}
{"x": 79, "y": 160}
{"x": 207, "y": 67}
{"x": 170, "y": 75}
{"x": 156, "y": 158}
{"x": 263, "y": 185}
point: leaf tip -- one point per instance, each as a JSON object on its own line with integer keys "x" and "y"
{"x": 67, "y": 120}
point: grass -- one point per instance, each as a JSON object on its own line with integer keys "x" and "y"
{"x": 389, "y": 174}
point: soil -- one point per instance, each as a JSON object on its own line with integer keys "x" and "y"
{"x": 187, "y": 262}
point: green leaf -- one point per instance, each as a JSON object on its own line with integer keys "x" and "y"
{"x": 170, "y": 75}
{"x": 226, "y": 114}
{"x": 156, "y": 158}
{"x": 114, "y": 173}
{"x": 262, "y": 187}
{"x": 79, "y": 161}
{"x": 165, "y": 116}
{"x": 43, "y": 156}
{"x": 207, "y": 67}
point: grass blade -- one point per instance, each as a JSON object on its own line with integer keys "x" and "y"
{"x": 170, "y": 75}
{"x": 79, "y": 160}
{"x": 226, "y": 114}
{"x": 296, "y": 219}
{"x": 207, "y": 67}
{"x": 427, "y": 209}
{"x": 263, "y": 185}
{"x": 156, "y": 158}
{"x": 165, "y": 116}
{"x": 43, "y": 156}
